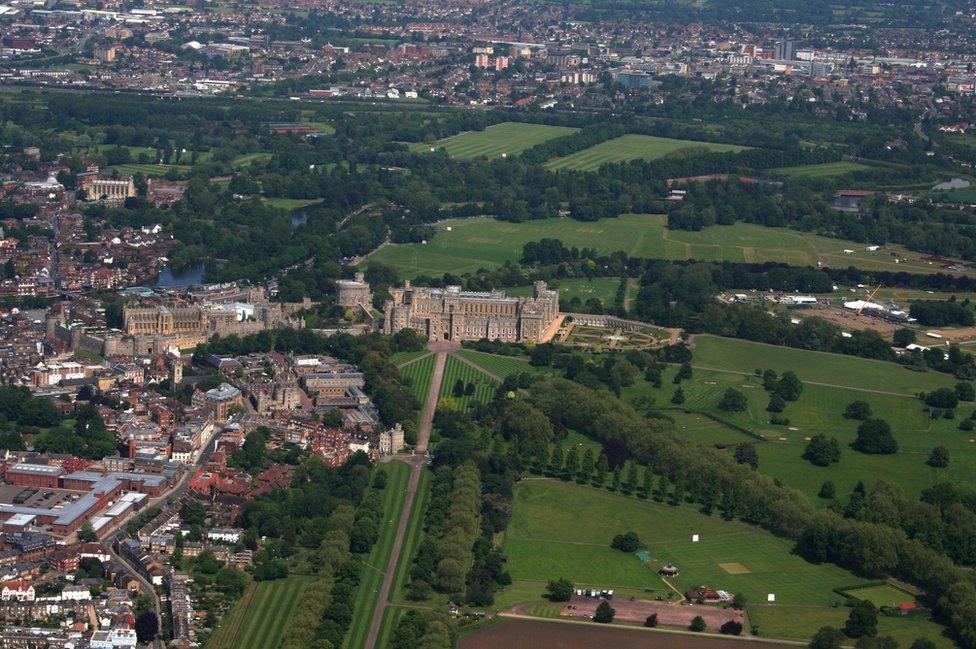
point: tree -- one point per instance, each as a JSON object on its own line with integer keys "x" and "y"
{"x": 86, "y": 534}
{"x": 903, "y": 337}
{"x": 697, "y": 624}
{"x": 731, "y": 627}
{"x": 874, "y": 438}
{"x": 860, "y": 410}
{"x": 827, "y": 637}
{"x": 604, "y": 613}
{"x": 745, "y": 453}
{"x": 922, "y": 643}
{"x": 776, "y": 403}
{"x": 628, "y": 542}
{"x": 733, "y": 401}
{"x": 789, "y": 386}
{"x": 827, "y": 490}
{"x": 862, "y": 620}
{"x": 822, "y": 450}
{"x": 965, "y": 391}
{"x": 571, "y": 465}
{"x": 942, "y": 398}
{"x": 147, "y": 626}
{"x": 739, "y": 601}
{"x": 939, "y": 457}
{"x": 684, "y": 371}
{"x": 651, "y": 621}
{"x": 678, "y": 397}
{"x": 559, "y": 590}
{"x": 458, "y": 390}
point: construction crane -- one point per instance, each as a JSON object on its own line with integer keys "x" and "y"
{"x": 870, "y": 298}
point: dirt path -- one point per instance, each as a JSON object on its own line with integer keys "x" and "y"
{"x": 417, "y": 462}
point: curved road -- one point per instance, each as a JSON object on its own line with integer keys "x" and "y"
{"x": 417, "y": 462}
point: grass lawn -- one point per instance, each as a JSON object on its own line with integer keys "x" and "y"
{"x": 262, "y": 615}
{"x": 564, "y": 530}
{"x": 822, "y": 170}
{"x": 484, "y": 385}
{"x": 834, "y": 369}
{"x": 290, "y": 203}
{"x": 818, "y": 411}
{"x": 248, "y": 158}
{"x": 507, "y": 138}
{"x": 402, "y": 358}
{"x": 149, "y": 169}
{"x": 419, "y": 374}
{"x": 412, "y": 538}
{"x": 371, "y": 579}
{"x": 633, "y": 147}
{"x": 475, "y": 243}
{"x": 884, "y": 595}
{"x": 499, "y": 365}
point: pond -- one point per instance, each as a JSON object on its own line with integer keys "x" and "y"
{"x": 167, "y": 278}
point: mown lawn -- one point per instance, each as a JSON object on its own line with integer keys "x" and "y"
{"x": 259, "y": 620}
{"x": 484, "y": 385}
{"x": 371, "y": 578}
{"x": 507, "y": 138}
{"x": 634, "y": 147}
{"x": 822, "y": 170}
{"x": 465, "y": 245}
{"x": 419, "y": 373}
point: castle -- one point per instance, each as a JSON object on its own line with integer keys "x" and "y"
{"x": 456, "y": 315}
{"x": 353, "y": 292}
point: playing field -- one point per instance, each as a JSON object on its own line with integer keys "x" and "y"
{"x": 261, "y": 617}
{"x": 823, "y": 170}
{"x": 484, "y": 385}
{"x": 507, "y": 138}
{"x": 883, "y": 595}
{"x": 476, "y": 243}
{"x": 634, "y": 147}
{"x": 563, "y": 530}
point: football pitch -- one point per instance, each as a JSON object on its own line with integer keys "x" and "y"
{"x": 507, "y": 138}
{"x": 634, "y": 147}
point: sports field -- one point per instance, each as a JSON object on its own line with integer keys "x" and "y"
{"x": 484, "y": 385}
{"x": 883, "y": 595}
{"x": 507, "y": 138}
{"x": 564, "y": 530}
{"x": 634, "y": 147}
{"x": 371, "y": 578}
{"x": 475, "y": 243}
{"x": 823, "y": 170}
{"x": 886, "y": 387}
{"x": 261, "y": 617}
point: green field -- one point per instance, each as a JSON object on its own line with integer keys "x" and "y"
{"x": 507, "y": 138}
{"x": 475, "y": 243}
{"x": 411, "y": 541}
{"x": 634, "y": 147}
{"x": 883, "y": 595}
{"x": 149, "y": 169}
{"x": 886, "y": 387}
{"x": 248, "y": 158}
{"x": 564, "y": 530}
{"x": 499, "y": 365}
{"x": 402, "y": 358}
{"x": 823, "y": 170}
{"x": 419, "y": 374}
{"x": 967, "y": 195}
{"x": 290, "y": 203}
{"x": 484, "y": 385}
{"x": 371, "y": 578}
{"x": 261, "y": 617}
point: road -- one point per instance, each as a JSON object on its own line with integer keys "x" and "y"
{"x": 417, "y": 462}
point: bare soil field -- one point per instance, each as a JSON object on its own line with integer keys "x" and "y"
{"x": 532, "y": 634}
{"x": 668, "y": 613}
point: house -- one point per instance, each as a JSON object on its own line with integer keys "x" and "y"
{"x": 17, "y": 591}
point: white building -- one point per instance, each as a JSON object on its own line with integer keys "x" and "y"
{"x": 114, "y": 639}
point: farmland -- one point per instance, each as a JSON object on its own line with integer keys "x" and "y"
{"x": 507, "y": 138}
{"x": 261, "y": 617}
{"x": 824, "y": 170}
{"x": 561, "y": 529}
{"x": 465, "y": 245}
{"x": 484, "y": 385}
{"x": 634, "y": 147}
{"x": 371, "y": 577}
